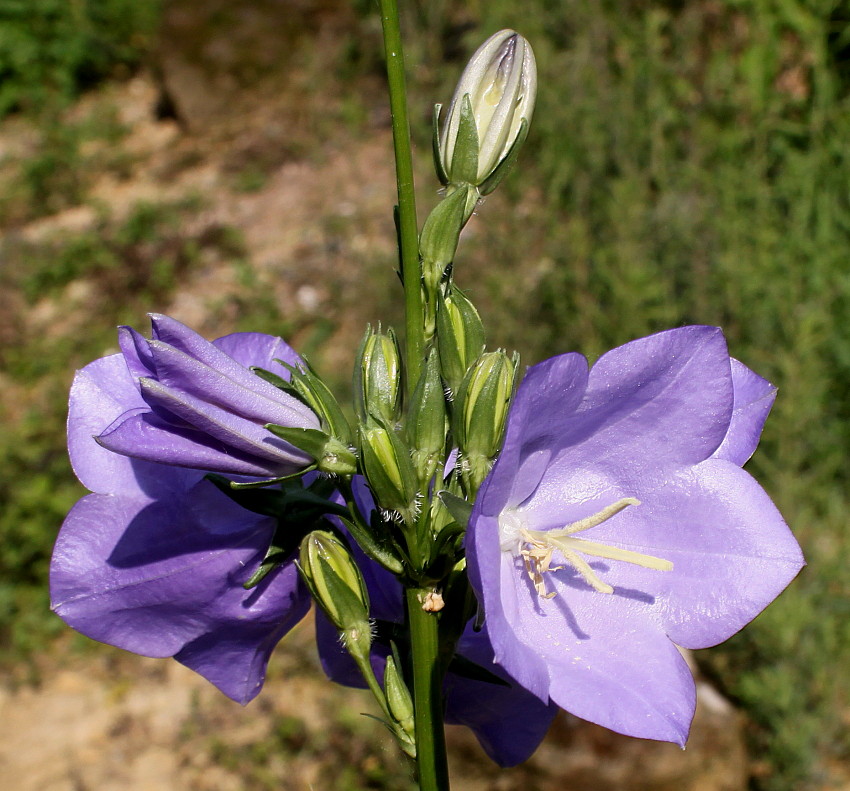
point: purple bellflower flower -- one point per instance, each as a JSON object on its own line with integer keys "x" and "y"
{"x": 508, "y": 721}
{"x": 201, "y": 407}
{"x": 153, "y": 561}
{"x": 617, "y": 523}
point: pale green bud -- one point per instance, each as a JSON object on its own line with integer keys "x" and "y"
{"x": 480, "y": 411}
{"x": 338, "y": 588}
{"x": 400, "y": 704}
{"x": 389, "y": 470}
{"x": 426, "y": 419}
{"x": 377, "y": 377}
{"x": 460, "y": 336}
{"x": 489, "y": 113}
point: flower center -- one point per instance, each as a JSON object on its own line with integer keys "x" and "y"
{"x": 537, "y": 547}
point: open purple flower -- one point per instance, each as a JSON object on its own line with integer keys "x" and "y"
{"x": 508, "y": 721}
{"x": 201, "y": 406}
{"x": 617, "y": 523}
{"x": 154, "y": 560}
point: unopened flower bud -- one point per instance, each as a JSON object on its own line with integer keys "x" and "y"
{"x": 377, "y": 377}
{"x": 400, "y": 704}
{"x": 338, "y": 588}
{"x": 481, "y": 409}
{"x": 426, "y": 419}
{"x": 460, "y": 335}
{"x": 489, "y": 113}
{"x": 389, "y": 470}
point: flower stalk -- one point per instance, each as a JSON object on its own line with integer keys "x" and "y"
{"x": 407, "y": 226}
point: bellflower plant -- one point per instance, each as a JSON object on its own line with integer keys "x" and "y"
{"x": 485, "y": 544}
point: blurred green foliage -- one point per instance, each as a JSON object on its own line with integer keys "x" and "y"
{"x": 50, "y": 50}
{"x": 688, "y": 162}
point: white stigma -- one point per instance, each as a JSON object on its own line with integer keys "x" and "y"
{"x": 536, "y": 547}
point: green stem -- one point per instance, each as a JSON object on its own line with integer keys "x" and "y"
{"x": 427, "y": 694}
{"x": 408, "y": 228}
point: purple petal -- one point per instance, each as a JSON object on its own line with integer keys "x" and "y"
{"x": 144, "y": 436}
{"x": 509, "y": 722}
{"x": 101, "y": 393}
{"x": 653, "y": 407}
{"x": 607, "y": 660}
{"x": 179, "y": 336}
{"x": 547, "y": 397}
{"x": 180, "y": 372}
{"x": 732, "y": 553}
{"x": 493, "y": 581}
{"x": 229, "y": 429}
{"x": 754, "y": 397}
{"x": 256, "y": 349}
{"x": 134, "y": 347}
{"x": 164, "y": 577}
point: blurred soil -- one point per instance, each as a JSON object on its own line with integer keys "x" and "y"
{"x": 103, "y": 720}
{"x": 316, "y": 228}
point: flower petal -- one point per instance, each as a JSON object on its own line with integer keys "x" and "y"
{"x": 243, "y": 435}
{"x": 183, "y": 373}
{"x": 549, "y": 394}
{"x": 144, "y": 436}
{"x": 508, "y": 721}
{"x": 754, "y": 397}
{"x": 732, "y": 553}
{"x": 102, "y": 392}
{"x": 652, "y": 407}
{"x": 260, "y": 350}
{"x": 216, "y": 356}
{"x": 153, "y": 578}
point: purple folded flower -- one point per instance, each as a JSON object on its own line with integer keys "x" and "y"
{"x": 617, "y": 523}
{"x": 508, "y": 721}
{"x": 154, "y": 560}
{"x": 201, "y": 407}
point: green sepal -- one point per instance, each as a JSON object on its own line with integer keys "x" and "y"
{"x": 366, "y": 540}
{"x": 464, "y": 164}
{"x": 330, "y": 455}
{"x": 310, "y": 389}
{"x": 459, "y": 508}
{"x": 435, "y": 147}
{"x": 507, "y": 162}
{"x": 281, "y": 384}
{"x": 272, "y": 481}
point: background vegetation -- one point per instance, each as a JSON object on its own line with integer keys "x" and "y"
{"x": 688, "y": 162}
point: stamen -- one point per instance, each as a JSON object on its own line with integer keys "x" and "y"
{"x": 537, "y": 546}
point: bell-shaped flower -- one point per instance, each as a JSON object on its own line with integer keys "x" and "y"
{"x": 154, "y": 560}
{"x": 508, "y": 721}
{"x": 617, "y": 523}
{"x": 201, "y": 406}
